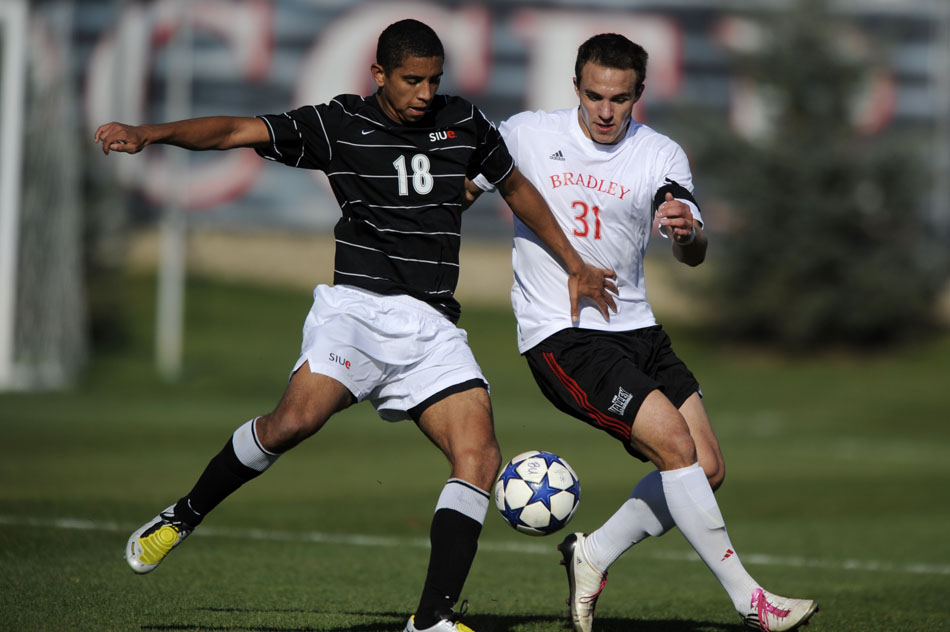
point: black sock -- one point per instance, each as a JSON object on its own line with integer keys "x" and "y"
{"x": 223, "y": 475}
{"x": 454, "y": 538}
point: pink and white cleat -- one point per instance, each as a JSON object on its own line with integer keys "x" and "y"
{"x": 585, "y": 582}
{"x": 771, "y": 613}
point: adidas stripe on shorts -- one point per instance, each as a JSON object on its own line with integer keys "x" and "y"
{"x": 602, "y": 377}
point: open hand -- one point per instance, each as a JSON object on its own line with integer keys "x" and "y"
{"x": 595, "y": 284}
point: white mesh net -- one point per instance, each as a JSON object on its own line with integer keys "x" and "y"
{"x": 48, "y": 324}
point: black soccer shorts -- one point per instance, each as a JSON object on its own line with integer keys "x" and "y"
{"x": 602, "y": 377}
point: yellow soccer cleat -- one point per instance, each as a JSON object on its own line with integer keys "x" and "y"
{"x": 149, "y": 545}
{"x": 448, "y": 623}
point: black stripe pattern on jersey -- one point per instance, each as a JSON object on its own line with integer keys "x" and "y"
{"x": 399, "y": 187}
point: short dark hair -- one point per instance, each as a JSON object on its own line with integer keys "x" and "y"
{"x": 613, "y": 51}
{"x": 406, "y": 38}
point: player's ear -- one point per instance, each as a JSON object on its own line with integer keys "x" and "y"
{"x": 577, "y": 88}
{"x": 379, "y": 75}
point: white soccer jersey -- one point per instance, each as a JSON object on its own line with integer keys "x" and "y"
{"x": 602, "y": 196}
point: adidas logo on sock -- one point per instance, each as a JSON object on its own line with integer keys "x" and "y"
{"x": 557, "y": 155}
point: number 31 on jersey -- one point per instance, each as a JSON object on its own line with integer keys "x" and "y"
{"x": 582, "y": 226}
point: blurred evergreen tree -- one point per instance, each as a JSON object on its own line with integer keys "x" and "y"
{"x": 825, "y": 224}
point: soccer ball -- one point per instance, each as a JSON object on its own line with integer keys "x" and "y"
{"x": 537, "y": 493}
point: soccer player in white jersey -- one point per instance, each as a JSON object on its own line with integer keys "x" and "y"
{"x": 386, "y": 330}
{"x": 605, "y": 176}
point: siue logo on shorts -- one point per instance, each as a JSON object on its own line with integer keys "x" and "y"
{"x": 339, "y": 360}
{"x": 620, "y": 401}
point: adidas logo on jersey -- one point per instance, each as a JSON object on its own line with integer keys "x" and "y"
{"x": 557, "y": 156}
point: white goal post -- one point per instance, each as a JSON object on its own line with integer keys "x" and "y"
{"x": 43, "y": 333}
{"x": 13, "y": 30}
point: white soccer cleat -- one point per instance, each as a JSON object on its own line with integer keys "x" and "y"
{"x": 444, "y": 625}
{"x": 771, "y": 613}
{"x": 585, "y": 582}
{"x": 151, "y": 542}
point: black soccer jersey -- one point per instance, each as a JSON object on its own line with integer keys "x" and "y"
{"x": 399, "y": 187}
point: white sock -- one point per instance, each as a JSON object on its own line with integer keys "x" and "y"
{"x": 642, "y": 515}
{"x": 249, "y": 450}
{"x": 464, "y": 498}
{"x": 694, "y": 508}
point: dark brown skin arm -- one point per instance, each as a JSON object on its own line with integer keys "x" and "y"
{"x": 198, "y": 134}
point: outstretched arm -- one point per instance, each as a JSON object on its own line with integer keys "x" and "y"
{"x": 585, "y": 281}
{"x": 212, "y": 132}
{"x": 689, "y": 240}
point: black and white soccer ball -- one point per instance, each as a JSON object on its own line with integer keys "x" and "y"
{"x": 537, "y": 493}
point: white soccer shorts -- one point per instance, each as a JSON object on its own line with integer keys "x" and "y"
{"x": 395, "y": 351}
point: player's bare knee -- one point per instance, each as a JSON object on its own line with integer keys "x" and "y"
{"x": 477, "y": 463}
{"x": 490, "y": 454}
{"x": 284, "y": 428}
{"x": 715, "y": 471}
{"x": 678, "y": 451}
{"x": 710, "y": 459}
{"x": 492, "y": 461}
{"x": 489, "y": 462}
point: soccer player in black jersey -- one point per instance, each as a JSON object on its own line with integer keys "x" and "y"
{"x": 397, "y": 162}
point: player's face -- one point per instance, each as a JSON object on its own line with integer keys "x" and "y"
{"x": 607, "y": 96}
{"x": 407, "y": 90}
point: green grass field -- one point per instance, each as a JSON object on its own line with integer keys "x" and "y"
{"x": 837, "y": 489}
